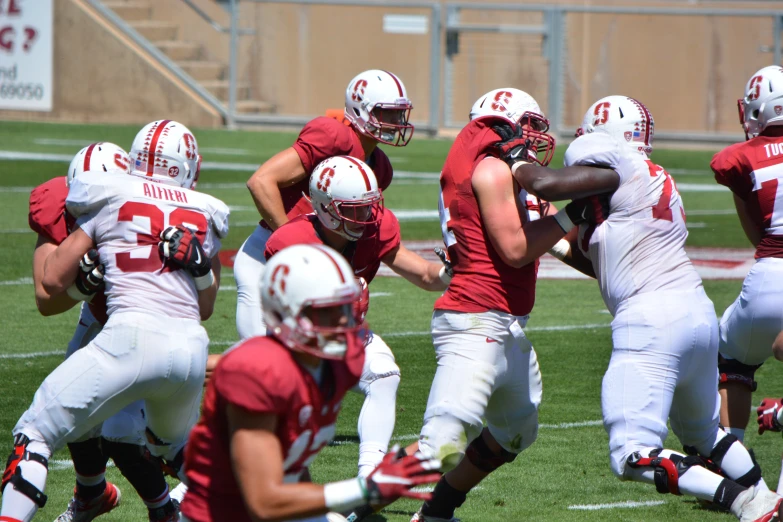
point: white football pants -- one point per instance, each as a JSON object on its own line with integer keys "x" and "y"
{"x": 487, "y": 370}
{"x": 248, "y": 268}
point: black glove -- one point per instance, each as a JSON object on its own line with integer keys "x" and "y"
{"x": 89, "y": 279}
{"x": 444, "y": 258}
{"x": 513, "y": 146}
{"x": 182, "y": 248}
{"x": 592, "y": 210}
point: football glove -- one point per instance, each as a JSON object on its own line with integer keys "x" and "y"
{"x": 592, "y": 210}
{"x": 363, "y": 304}
{"x": 181, "y": 247}
{"x": 397, "y": 475}
{"x": 89, "y": 279}
{"x": 513, "y": 147}
{"x": 447, "y": 272}
{"x": 768, "y": 413}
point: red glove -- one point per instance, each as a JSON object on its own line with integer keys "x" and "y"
{"x": 363, "y": 304}
{"x": 768, "y": 415}
{"x": 396, "y": 475}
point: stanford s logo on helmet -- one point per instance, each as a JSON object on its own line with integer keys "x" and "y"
{"x": 167, "y": 152}
{"x": 98, "y": 157}
{"x": 626, "y": 119}
{"x": 308, "y": 294}
{"x": 377, "y": 105}
{"x": 763, "y": 101}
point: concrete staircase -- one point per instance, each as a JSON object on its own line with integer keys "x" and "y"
{"x": 191, "y": 57}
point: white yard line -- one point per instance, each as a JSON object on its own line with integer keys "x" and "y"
{"x": 569, "y": 425}
{"x": 31, "y": 355}
{"x": 16, "y": 231}
{"x": 565, "y": 327}
{"x": 20, "y": 281}
{"x": 617, "y": 505}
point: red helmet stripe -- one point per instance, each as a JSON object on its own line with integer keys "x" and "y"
{"x": 647, "y": 119}
{"x": 87, "y": 156}
{"x": 361, "y": 169}
{"x": 397, "y": 81}
{"x": 333, "y": 260}
{"x": 154, "y": 145}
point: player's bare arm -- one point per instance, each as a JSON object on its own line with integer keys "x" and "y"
{"x": 415, "y": 269}
{"x": 567, "y": 183}
{"x": 253, "y": 441}
{"x": 751, "y": 230}
{"x": 281, "y": 170}
{"x": 47, "y": 303}
{"x": 62, "y": 265}
{"x": 567, "y": 249}
{"x": 207, "y": 297}
{"x": 516, "y": 244}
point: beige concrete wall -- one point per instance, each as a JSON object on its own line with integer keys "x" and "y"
{"x": 100, "y": 76}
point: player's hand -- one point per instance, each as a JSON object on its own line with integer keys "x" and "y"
{"x": 181, "y": 247}
{"x": 768, "y": 415}
{"x": 513, "y": 147}
{"x": 397, "y": 475}
{"x": 89, "y": 279}
{"x": 361, "y": 306}
{"x": 592, "y": 210}
{"x": 447, "y": 272}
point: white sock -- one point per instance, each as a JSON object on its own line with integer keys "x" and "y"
{"x": 91, "y": 480}
{"x": 161, "y": 501}
{"x": 737, "y": 432}
{"x": 698, "y": 482}
{"x": 376, "y": 422}
{"x": 178, "y": 493}
{"x": 17, "y": 505}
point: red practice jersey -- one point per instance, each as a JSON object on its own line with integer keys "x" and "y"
{"x": 261, "y": 376}
{"x": 753, "y": 170}
{"x": 48, "y": 218}
{"x": 482, "y": 281}
{"x": 364, "y": 255}
{"x": 321, "y": 139}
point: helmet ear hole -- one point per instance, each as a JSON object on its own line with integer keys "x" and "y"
{"x": 755, "y": 114}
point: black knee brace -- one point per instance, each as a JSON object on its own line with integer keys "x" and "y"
{"x": 719, "y": 451}
{"x": 479, "y": 454}
{"x": 731, "y": 370}
{"x": 667, "y": 470}
{"x": 13, "y": 474}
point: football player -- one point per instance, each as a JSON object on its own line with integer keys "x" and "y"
{"x": 770, "y": 412}
{"x": 664, "y": 333}
{"x": 273, "y": 401}
{"x": 753, "y": 170}
{"x": 120, "y": 437}
{"x": 487, "y": 369}
{"x": 156, "y": 239}
{"x": 377, "y": 110}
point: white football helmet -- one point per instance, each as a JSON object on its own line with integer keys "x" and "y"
{"x": 762, "y": 104}
{"x": 167, "y": 152}
{"x": 377, "y": 105}
{"x": 98, "y": 157}
{"x": 626, "y": 119}
{"x": 345, "y": 195}
{"x": 519, "y": 107}
{"x": 308, "y": 294}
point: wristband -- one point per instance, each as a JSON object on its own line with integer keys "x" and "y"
{"x": 74, "y": 293}
{"x": 345, "y": 495}
{"x": 518, "y": 164}
{"x": 444, "y": 275}
{"x": 205, "y": 281}
{"x": 561, "y": 249}
{"x": 563, "y": 220}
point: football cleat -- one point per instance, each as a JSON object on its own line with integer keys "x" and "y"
{"x": 167, "y": 513}
{"x": 85, "y": 511}
{"x": 758, "y": 505}
{"x": 418, "y": 517}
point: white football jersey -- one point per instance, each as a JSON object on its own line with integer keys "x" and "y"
{"x": 641, "y": 246}
{"x": 124, "y": 215}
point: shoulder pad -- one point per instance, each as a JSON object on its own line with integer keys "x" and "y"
{"x": 90, "y": 192}
{"x": 595, "y": 148}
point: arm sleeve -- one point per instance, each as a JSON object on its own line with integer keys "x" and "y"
{"x": 88, "y": 224}
{"x": 382, "y": 168}
{"x": 389, "y": 234}
{"x": 253, "y": 387}
{"x": 730, "y": 172}
{"x": 320, "y": 139}
{"x": 88, "y": 194}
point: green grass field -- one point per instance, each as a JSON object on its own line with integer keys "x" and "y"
{"x": 568, "y": 466}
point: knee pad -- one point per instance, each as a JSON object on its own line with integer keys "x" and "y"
{"x": 719, "y": 451}
{"x": 378, "y": 368}
{"x": 667, "y": 470}
{"x": 481, "y": 456}
{"x": 13, "y": 474}
{"x": 731, "y": 370}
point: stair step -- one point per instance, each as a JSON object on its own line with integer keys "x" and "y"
{"x": 203, "y": 70}
{"x": 220, "y": 89}
{"x": 179, "y": 51}
{"x": 131, "y": 11}
{"x": 254, "y": 106}
{"x": 156, "y": 31}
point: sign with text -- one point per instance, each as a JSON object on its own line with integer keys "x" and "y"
{"x": 26, "y": 48}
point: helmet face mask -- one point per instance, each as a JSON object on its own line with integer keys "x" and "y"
{"x": 542, "y": 145}
{"x": 377, "y": 106}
